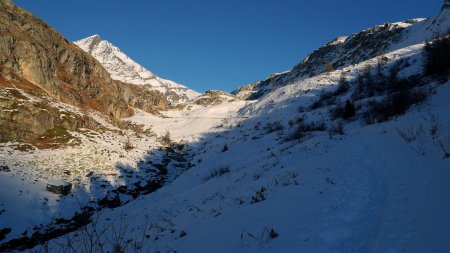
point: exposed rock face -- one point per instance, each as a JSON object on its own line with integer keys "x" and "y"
{"x": 39, "y": 67}
{"x": 61, "y": 188}
{"x": 244, "y": 92}
{"x": 39, "y": 54}
{"x": 144, "y": 99}
{"x": 214, "y": 97}
{"x": 26, "y": 113}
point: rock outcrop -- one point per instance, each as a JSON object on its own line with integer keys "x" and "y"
{"x": 28, "y": 114}
{"x": 42, "y": 56}
{"x": 40, "y": 68}
{"x": 214, "y": 97}
{"x": 144, "y": 99}
{"x": 59, "y": 187}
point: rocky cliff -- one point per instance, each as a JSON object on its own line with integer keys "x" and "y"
{"x": 40, "y": 68}
{"x": 39, "y": 54}
{"x": 28, "y": 114}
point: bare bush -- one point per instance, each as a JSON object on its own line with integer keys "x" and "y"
{"x": 216, "y": 173}
{"x": 294, "y": 122}
{"x": 440, "y": 140}
{"x": 343, "y": 85}
{"x": 259, "y": 195}
{"x": 331, "y": 97}
{"x": 225, "y": 148}
{"x": 265, "y": 237}
{"x": 443, "y": 142}
{"x": 414, "y": 137}
{"x": 345, "y": 111}
{"x": 128, "y": 145}
{"x": 304, "y": 129}
{"x": 96, "y": 238}
{"x": 336, "y": 128}
{"x": 437, "y": 61}
{"x": 166, "y": 139}
{"x": 392, "y": 105}
{"x": 274, "y": 127}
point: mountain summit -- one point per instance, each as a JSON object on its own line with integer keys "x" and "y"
{"x": 124, "y": 69}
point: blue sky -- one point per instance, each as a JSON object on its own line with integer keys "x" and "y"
{"x": 221, "y": 44}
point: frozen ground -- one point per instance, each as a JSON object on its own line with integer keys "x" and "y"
{"x": 255, "y": 190}
{"x": 365, "y": 191}
{"x": 97, "y": 165}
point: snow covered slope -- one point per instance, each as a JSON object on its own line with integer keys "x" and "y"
{"x": 346, "y": 51}
{"x": 290, "y": 173}
{"x": 97, "y": 165}
{"x": 294, "y": 171}
{"x": 252, "y": 189}
{"x": 124, "y": 69}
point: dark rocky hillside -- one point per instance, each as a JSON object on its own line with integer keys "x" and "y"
{"x": 36, "y": 60}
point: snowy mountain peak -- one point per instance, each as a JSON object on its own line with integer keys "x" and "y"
{"x": 124, "y": 69}
{"x": 91, "y": 42}
{"x": 95, "y": 36}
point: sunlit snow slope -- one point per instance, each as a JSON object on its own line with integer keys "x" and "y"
{"x": 123, "y": 68}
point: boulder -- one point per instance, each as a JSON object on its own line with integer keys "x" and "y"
{"x": 59, "y": 187}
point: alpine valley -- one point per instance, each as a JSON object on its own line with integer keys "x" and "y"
{"x": 349, "y": 151}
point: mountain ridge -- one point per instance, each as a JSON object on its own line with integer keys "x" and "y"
{"x": 124, "y": 69}
{"x": 344, "y": 51}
